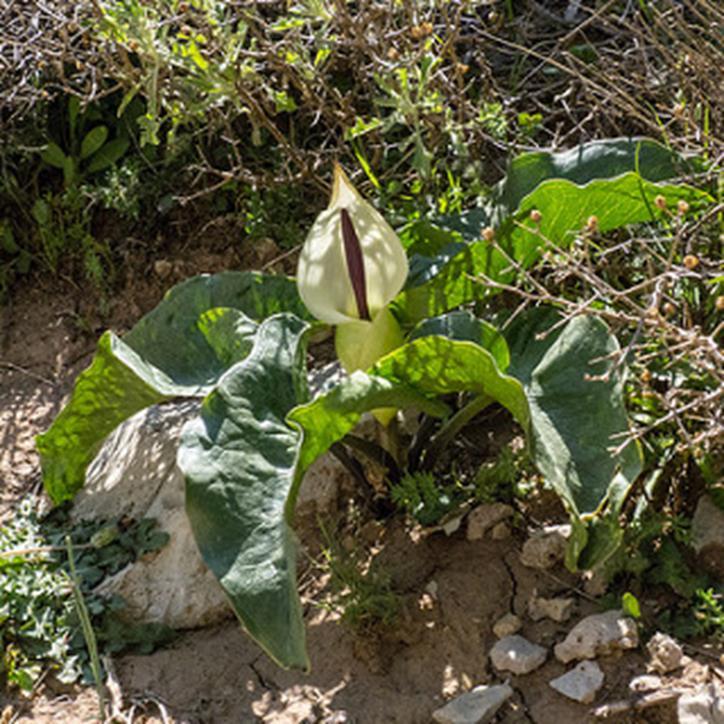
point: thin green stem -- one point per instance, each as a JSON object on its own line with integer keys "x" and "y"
{"x": 442, "y": 438}
{"x": 88, "y": 633}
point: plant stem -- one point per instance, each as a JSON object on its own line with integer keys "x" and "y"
{"x": 88, "y": 633}
{"x": 452, "y": 427}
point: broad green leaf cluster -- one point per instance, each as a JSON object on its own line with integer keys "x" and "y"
{"x": 239, "y": 340}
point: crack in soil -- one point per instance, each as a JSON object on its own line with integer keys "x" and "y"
{"x": 526, "y": 709}
{"x": 263, "y": 683}
{"x": 513, "y": 583}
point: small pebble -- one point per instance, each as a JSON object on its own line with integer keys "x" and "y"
{"x": 666, "y": 654}
{"x": 500, "y": 531}
{"x": 478, "y": 706}
{"x": 507, "y": 625}
{"x": 485, "y": 517}
{"x": 704, "y": 705}
{"x": 556, "y": 609}
{"x": 580, "y": 683}
{"x": 645, "y": 682}
{"x": 599, "y": 634}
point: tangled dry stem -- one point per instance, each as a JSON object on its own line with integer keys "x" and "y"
{"x": 618, "y": 69}
{"x": 661, "y": 328}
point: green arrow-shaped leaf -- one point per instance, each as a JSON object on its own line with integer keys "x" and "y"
{"x": 180, "y": 349}
{"x": 239, "y": 459}
{"x": 574, "y": 420}
{"x": 414, "y": 375}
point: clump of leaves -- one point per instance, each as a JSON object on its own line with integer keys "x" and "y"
{"x": 496, "y": 480}
{"x": 40, "y": 626}
{"x": 654, "y": 553}
{"x": 424, "y": 498}
{"x": 709, "y": 612}
{"x": 557, "y": 371}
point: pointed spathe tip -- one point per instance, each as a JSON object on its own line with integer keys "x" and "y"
{"x": 343, "y": 191}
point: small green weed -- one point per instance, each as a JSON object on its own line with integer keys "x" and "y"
{"x": 709, "y": 612}
{"x": 424, "y": 498}
{"x": 359, "y": 590}
{"x": 654, "y": 554}
{"x": 495, "y": 480}
{"x": 63, "y": 229}
{"x": 40, "y": 622}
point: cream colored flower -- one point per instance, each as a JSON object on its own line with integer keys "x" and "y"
{"x": 352, "y": 264}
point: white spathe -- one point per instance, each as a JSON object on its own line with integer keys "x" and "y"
{"x": 323, "y": 278}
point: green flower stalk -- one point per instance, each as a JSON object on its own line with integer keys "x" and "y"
{"x": 351, "y": 267}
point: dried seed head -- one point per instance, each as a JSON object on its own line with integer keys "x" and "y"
{"x": 668, "y": 309}
{"x": 660, "y": 202}
{"x": 719, "y": 304}
{"x": 393, "y": 54}
{"x": 592, "y": 223}
{"x": 462, "y": 68}
{"x": 536, "y": 216}
{"x": 418, "y": 32}
{"x": 652, "y": 312}
{"x": 488, "y": 233}
{"x": 682, "y": 206}
{"x": 645, "y": 376}
{"x": 691, "y": 261}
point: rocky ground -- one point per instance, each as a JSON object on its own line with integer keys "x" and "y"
{"x": 493, "y": 627}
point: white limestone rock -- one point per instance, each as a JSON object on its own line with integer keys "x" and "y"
{"x": 135, "y": 475}
{"x": 596, "y": 635}
{"x": 702, "y": 706}
{"x": 581, "y": 683}
{"x": 517, "y": 655}
{"x": 474, "y": 707}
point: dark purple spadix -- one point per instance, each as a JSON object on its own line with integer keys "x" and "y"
{"x": 355, "y": 264}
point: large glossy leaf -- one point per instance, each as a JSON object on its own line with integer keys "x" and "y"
{"x": 465, "y": 326}
{"x": 239, "y": 459}
{"x": 157, "y": 336}
{"x": 616, "y": 181}
{"x": 583, "y": 164}
{"x": 181, "y": 348}
{"x": 330, "y": 416}
{"x": 575, "y": 420}
{"x": 412, "y": 375}
{"x": 116, "y": 385}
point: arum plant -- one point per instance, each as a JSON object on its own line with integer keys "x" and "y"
{"x": 238, "y": 340}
